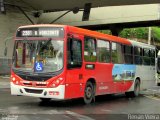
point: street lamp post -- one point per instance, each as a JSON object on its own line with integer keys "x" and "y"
{"x": 149, "y": 35}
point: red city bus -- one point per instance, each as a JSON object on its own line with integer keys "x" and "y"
{"x": 64, "y": 62}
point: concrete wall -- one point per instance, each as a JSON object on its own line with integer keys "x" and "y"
{"x": 8, "y": 25}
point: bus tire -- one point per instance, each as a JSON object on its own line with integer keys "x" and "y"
{"x": 89, "y": 93}
{"x": 136, "y": 91}
{"x": 45, "y": 99}
{"x": 136, "y": 88}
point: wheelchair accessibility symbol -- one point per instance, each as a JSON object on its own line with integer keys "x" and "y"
{"x": 38, "y": 67}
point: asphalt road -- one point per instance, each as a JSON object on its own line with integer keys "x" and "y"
{"x": 106, "y": 107}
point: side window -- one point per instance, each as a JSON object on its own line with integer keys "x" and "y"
{"x": 146, "y": 56}
{"x": 152, "y": 55}
{"x": 90, "y": 49}
{"x": 128, "y": 54}
{"x": 137, "y": 55}
{"x": 117, "y": 55}
{"x": 103, "y": 50}
{"x": 20, "y": 54}
{"x": 74, "y": 52}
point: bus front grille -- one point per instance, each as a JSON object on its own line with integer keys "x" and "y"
{"x": 33, "y": 91}
{"x": 35, "y": 78}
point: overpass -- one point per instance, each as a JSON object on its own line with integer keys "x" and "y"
{"x": 100, "y": 16}
{"x": 20, "y": 12}
{"x": 38, "y": 7}
{"x": 61, "y": 5}
{"x": 114, "y": 18}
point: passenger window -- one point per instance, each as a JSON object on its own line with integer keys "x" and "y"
{"x": 152, "y": 55}
{"x": 103, "y": 50}
{"x": 128, "y": 54}
{"x": 90, "y": 49}
{"x": 74, "y": 52}
{"x": 137, "y": 55}
{"x": 146, "y": 56}
{"x": 117, "y": 56}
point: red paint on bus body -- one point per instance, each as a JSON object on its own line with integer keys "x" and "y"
{"x": 75, "y": 79}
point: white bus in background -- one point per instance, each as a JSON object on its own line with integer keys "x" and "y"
{"x": 145, "y": 60}
{"x": 158, "y": 69}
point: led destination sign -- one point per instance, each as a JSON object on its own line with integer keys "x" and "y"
{"x": 41, "y": 32}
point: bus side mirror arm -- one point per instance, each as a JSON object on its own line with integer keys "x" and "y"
{"x": 5, "y": 51}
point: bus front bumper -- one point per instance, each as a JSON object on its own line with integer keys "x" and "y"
{"x": 55, "y": 93}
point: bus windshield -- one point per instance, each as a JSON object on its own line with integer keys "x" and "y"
{"x": 42, "y": 56}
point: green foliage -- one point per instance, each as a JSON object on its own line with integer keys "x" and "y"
{"x": 156, "y": 33}
{"x": 140, "y": 33}
{"x": 105, "y": 31}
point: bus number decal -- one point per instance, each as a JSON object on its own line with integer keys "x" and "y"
{"x": 26, "y": 33}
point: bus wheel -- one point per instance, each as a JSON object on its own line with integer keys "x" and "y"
{"x": 136, "y": 88}
{"x": 45, "y": 99}
{"x": 88, "y": 93}
{"x": 136, "y": 91}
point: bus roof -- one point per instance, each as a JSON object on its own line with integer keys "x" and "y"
{"x": 42, "y": 25}
{"x": 98, "y": 35}
{"x": 142, "y": 45}
{"x": 95, "y": 34}
{"x": 82, "y": 31}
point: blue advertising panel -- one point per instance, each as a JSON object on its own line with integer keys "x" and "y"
{"x": 123, "y": 72}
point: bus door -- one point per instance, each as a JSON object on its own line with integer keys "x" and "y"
{"x": 104, "y": 67}
{"x": 74, "y": 67}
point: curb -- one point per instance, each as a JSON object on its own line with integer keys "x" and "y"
{"x": 156, "y": 95}
{"x": 152, "y": 92}
{"x": 4, "y": 82}
{"x": 5, "y": 76}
